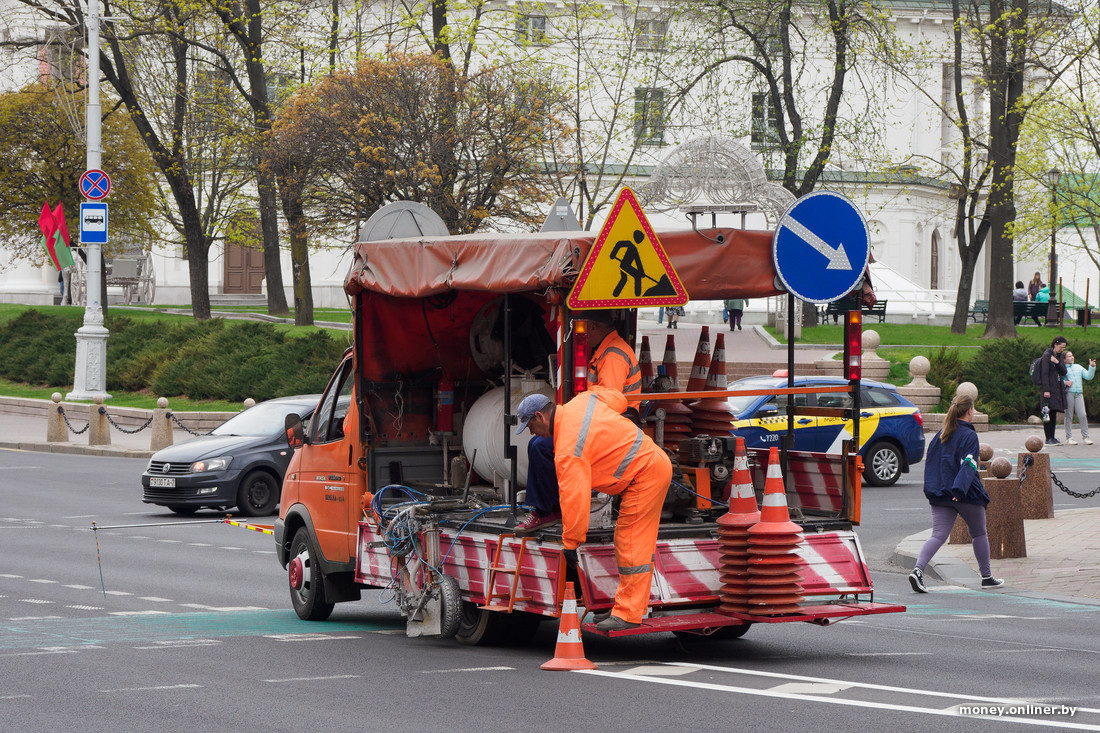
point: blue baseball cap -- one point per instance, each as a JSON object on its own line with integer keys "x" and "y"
{"x": 530, "y": 404}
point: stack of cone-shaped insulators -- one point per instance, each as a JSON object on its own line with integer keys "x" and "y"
{"x": 645, "y": 365}
{"x": 774, "y": 579}
{"x": 713, "y": 416}
{"x": 698, "y": 379}
{"x": 733, "y": 536}
{"x": 677, "y": 422}
{"x": 672, "y": 370}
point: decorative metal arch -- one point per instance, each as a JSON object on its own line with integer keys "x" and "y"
{"x": 713, "y": 170}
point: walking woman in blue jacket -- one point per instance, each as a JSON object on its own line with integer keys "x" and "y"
{"x": 953, "y": 488}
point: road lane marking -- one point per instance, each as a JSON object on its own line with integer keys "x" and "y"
{"x": 157, "y": 687}
{"x": 33, "y": 600}
{"x": 222, "y": 609}
{"x": 86, "y": 608}
{"x": 138, "y": 613}
{"x": 847, "y": 702}
{"x": 318, "y": 679}
{"x": 77, "y": 586}
{"x": 180, "y": 643}
{"x": 468, "y": 669}
{"x": 32, "y": 618}
{"x": 154, "y": 599}
{"x": 117, "y": 593}
{"x": 310, "y": 637}
{"x": 40, "y": 580}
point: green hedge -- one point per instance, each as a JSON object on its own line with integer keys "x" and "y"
{"x": 212, "y": 359}
{"x": 1000, "y": 372}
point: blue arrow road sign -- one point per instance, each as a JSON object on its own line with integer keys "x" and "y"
{"x": 93, "y": 223}
{"x": 821, "y": 247}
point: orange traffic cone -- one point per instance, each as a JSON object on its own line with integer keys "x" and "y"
{"x": 672, "y": 370}
{"x": 774, "y": 515}
{"x": 698, "y": 379}
{"x": 569, "y": 653}
{"x": 645, "y": 365}
{"x": 716, "y": 377}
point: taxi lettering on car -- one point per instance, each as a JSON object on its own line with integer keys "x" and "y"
{"x": 891, "y": 429}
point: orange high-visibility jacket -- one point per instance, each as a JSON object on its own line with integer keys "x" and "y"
{"x": 595, "y": 447}
{"x": 614, "y": 365}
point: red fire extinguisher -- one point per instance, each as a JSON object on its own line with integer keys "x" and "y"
{"x": 445, "y": 404}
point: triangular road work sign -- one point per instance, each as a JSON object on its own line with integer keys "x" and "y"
{"x": 627, "y": 266}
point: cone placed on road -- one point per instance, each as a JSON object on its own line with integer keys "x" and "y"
{"x": 569, "y": 652}
{"x": 698, "y": 379}
{"x": 645, "y": 365}
{"x": 774, "y": 563}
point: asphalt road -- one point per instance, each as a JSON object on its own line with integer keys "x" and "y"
{"x": 190, "y": 629}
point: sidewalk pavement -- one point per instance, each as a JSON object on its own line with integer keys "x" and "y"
{"x": 1063, "y": 561}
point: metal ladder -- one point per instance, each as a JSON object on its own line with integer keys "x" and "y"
{"x": 511, "y": 597}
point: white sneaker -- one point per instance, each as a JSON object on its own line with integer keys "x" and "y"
{"x": 1088, "y": 441}
{"x": 1071, "y": 441}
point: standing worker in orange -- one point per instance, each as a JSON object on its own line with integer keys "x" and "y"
{"x": 596, "y": 448}
{"x": 613, "y": 365}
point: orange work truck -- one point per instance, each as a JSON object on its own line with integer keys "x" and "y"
{"x": 409, "y": 476}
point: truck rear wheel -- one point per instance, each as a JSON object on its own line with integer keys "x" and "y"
{"x": 307, "y": 584}
{"x": 478, "y": 627}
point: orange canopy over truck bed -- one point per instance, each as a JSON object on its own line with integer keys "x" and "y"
{"x": 740, "y": 267}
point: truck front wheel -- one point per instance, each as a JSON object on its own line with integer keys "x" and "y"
{"x": 307, "y": 585}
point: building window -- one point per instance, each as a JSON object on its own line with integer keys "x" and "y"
{"x": 649, "y": 116}
{"x": 531, "y": 29}
{"x": 934, "y": 280}
{"x": 765, "y": 124}
{"x": 651, "y": 35}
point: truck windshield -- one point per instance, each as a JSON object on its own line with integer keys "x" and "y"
{"x": 266, "y": 418}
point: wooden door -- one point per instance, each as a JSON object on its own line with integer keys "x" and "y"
{"x": 244, "y": 269}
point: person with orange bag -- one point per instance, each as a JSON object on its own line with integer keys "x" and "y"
{"x": 613, "y": 365}
{"x": 596, "y": 448}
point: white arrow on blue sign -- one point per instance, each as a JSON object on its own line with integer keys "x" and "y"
{"x": 821, "y": 247}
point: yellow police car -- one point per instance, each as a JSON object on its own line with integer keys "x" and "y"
{"x": 891, "y": 430}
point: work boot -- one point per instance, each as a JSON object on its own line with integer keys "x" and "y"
{"x": 535, "y": 520}
{"x": 599, "y": 618}
{"x": 614, "y": 623}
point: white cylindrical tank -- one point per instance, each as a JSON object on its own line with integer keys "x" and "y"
{"x": 484, "y": 427}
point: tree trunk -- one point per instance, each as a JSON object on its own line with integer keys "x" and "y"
{"x": 299, "y": 255}
{"x": 966, "y": 286}
{"x": 269, "y": 223}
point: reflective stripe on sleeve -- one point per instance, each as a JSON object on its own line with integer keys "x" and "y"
{"x": 585, "y": 423}
{"x": 630, "y": 455}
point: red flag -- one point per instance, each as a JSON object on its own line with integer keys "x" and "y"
{"x": 59, "y": 220}
{"x": 49, "y": 227}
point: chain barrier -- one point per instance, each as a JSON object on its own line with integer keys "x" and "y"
{"x": 1074, "y": 494}
{"x": 119, "y": 428}
{"x": 175, "y": 419}
{"x": 72, "y": 430}
{"x": 1028, "y": 461}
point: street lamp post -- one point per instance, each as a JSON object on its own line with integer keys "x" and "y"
{"x": 90, "y": 374}
{"x": 1053, "y": 175}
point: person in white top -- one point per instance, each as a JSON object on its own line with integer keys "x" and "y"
{"x": 1075, "y": 397}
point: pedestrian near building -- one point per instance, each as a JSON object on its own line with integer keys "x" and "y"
{"x": 953, "y": 489}
{"x": 1075, "y": 397}
{"x": 1034, "y": 286}
{"x": 597, "y": 449}
{"x": 674, "y": 312}
{"x": 1052, "y": 383}
{"x": 736, "y": 308}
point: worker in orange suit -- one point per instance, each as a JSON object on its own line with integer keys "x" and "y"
{"x": 613, "y": 365}
{"x": 596, "y": 448}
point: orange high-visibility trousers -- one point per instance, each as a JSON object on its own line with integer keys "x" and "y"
{"x": 636, "y": 535}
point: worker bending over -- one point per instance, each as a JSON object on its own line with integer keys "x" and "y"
{"x": 596, "y": 448}
{"x": 614, "y": 366}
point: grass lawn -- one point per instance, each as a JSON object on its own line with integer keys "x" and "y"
{"x": 904, "y": 334}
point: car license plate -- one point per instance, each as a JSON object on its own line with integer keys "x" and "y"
{"x": 162, "y": 482}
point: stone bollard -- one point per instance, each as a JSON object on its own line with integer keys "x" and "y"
{"x": 162, "y": 427}
{"x": 249, "y": 402}
{"x": 985, "y": 455}
{"x": 56, "y": 430}
{"x": 919, "y": 391}
{"x": 99, "y": 430}
{"x": 1004, "y": 518}
{"x": 1036, "y": 490}
{"x": 873, "y": 366}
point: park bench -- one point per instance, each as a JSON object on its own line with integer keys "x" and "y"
{"x": 842, "y": 306}
{"x": 981, "y": 308}
{"x": 1033, "y": 309}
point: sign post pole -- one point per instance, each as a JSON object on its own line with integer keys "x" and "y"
{"x": 90, "y": 375}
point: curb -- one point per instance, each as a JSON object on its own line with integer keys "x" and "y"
{"x": 947, "y": 569}
{"x": 75, "y": 449}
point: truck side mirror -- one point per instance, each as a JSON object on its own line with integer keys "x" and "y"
{"x": 295, "y": 433}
